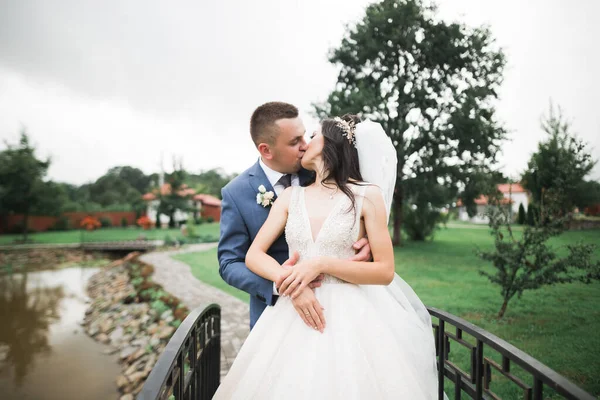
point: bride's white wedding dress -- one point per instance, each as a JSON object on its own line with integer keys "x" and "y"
{"x": 377, "y": 344}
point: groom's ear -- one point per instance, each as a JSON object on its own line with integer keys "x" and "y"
{"x": 265, "y": 151}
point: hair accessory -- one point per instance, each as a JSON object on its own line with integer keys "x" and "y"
{"x": 348, "y": 128}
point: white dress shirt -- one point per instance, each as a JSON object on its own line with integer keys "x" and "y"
{"x": 273, "y": 177}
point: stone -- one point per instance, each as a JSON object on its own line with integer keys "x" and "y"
{"x": 136, "y": 377}
{"x": 106, "y": 326}
{"x": 117, "y": 335}
{"x": 154, "y": 341}
{"x": 103, "y": 338}
{"x": 136, "y": 355}
{"x": 151, "y": 361}
{"x": 127, "y": 351}
{"x": 165, "y": 315}
{"x": 166, "y": 332}
{"x": 122, "y": 381}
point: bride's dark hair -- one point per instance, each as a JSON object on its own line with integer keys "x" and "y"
{"x": 340, "y": 157}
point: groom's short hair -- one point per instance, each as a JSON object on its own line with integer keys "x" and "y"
{"x": 262, "y": 123}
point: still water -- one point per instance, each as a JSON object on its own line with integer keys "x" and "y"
{"x": 44, "y": 352}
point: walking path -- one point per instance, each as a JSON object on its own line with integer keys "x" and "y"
{"x": 177, "y": 279}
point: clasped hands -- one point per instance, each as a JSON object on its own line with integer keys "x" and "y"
{"x": 298, "y": 280}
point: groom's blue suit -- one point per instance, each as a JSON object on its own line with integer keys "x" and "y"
{"x": 241, "y": 219}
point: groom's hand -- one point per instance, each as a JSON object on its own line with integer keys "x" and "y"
{"x": 364, "y": 250}
{"x": 309, "y": 309}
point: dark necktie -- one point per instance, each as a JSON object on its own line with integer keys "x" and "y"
{"x": 285, "y": 181}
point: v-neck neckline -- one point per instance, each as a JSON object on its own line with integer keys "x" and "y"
{"x": 315, "y": 239}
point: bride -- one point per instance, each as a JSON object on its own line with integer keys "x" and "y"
{"x": 377, "y": 340}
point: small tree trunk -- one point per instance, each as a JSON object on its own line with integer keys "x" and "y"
{"x": 503, "y": 309}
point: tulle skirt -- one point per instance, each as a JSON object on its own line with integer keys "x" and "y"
{"x": 378, "y": 344}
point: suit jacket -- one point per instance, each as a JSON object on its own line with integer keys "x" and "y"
{"x": 241, "y": 219}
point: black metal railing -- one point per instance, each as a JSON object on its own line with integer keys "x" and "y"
{"x": 189, "y": 367}
{"x": 482, "y": 348}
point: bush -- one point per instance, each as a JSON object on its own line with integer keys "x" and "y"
{"x": 144, "y": 222}
{"x": 190, "y": 228}
{"x": 90, "y": 223}
{"x": 170, "y": 241}
{"x": 19, "y": 228}
{"x": 210, "y": 220}
{"x": 420, "y": 223}
{"x": 124, "y": 223}
{"x": 521, "y": 218}
{"x": 105, "y": 222}
{"x": 62, "y": 224}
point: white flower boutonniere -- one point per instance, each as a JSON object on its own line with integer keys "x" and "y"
{"x": 264, "y": 198}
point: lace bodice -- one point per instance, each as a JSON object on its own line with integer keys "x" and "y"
{"x": 338, "y": 232}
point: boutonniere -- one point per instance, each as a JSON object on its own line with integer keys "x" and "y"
{"x": 263, "y": 197}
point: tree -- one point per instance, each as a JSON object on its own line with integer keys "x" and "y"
{"x": 210, "y": 182}
{"x": 527, "y": 261}
{"x": 521, "y": 219}
{"x": 560, "y": 164}
{"x": 133, "y": 176}
{"x": 431, "y": 84}
{"x": 177, "y": 198}
{"x": 22, "y": 187}
{"x": 587, "y": 194}
{"x": 531, "y": 217}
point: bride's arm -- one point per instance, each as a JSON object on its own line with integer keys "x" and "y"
{"x": 378, "y": 272}
{"x": 257, "y": 259}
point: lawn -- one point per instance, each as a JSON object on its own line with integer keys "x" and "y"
{"x": 557, "y": 325}
{"x": 110, "y": 234}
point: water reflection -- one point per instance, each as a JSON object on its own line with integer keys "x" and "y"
{"x": 44, "y": 353}
{"x": 26, "y": 316}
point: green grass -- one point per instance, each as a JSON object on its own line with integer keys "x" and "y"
{"x": 557, "y": 325}
{"x": 108, "y": 234}
{"x": 205, "y": 267}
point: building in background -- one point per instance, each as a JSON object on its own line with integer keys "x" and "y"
{"x": 513, "y": 196}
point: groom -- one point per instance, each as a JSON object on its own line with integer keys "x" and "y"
{"x": 278, "y": 133}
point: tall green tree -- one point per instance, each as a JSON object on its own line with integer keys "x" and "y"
{"x": 22, "y": 185}
{"x": 210, "y": 181}
{"x": 135, "y": 177}
{"x": 432, "y": 85}
{"x": 559, "y": 165}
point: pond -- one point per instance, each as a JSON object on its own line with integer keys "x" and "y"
{"x": 44, "y": 352}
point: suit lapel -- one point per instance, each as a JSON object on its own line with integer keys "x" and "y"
{"x": 258, "y": 177}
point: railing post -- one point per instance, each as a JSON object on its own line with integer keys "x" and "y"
{"x": 479, "y": 371}
{"x": 441, "y": 358}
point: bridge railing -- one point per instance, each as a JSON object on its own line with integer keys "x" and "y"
{"x": 189, "y": 367}
{"x": 482, "y": 347}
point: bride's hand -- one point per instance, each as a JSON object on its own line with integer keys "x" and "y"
{"x": 301, "y": 275}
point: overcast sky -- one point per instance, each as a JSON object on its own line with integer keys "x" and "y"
{"x": 105, "y": 83}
